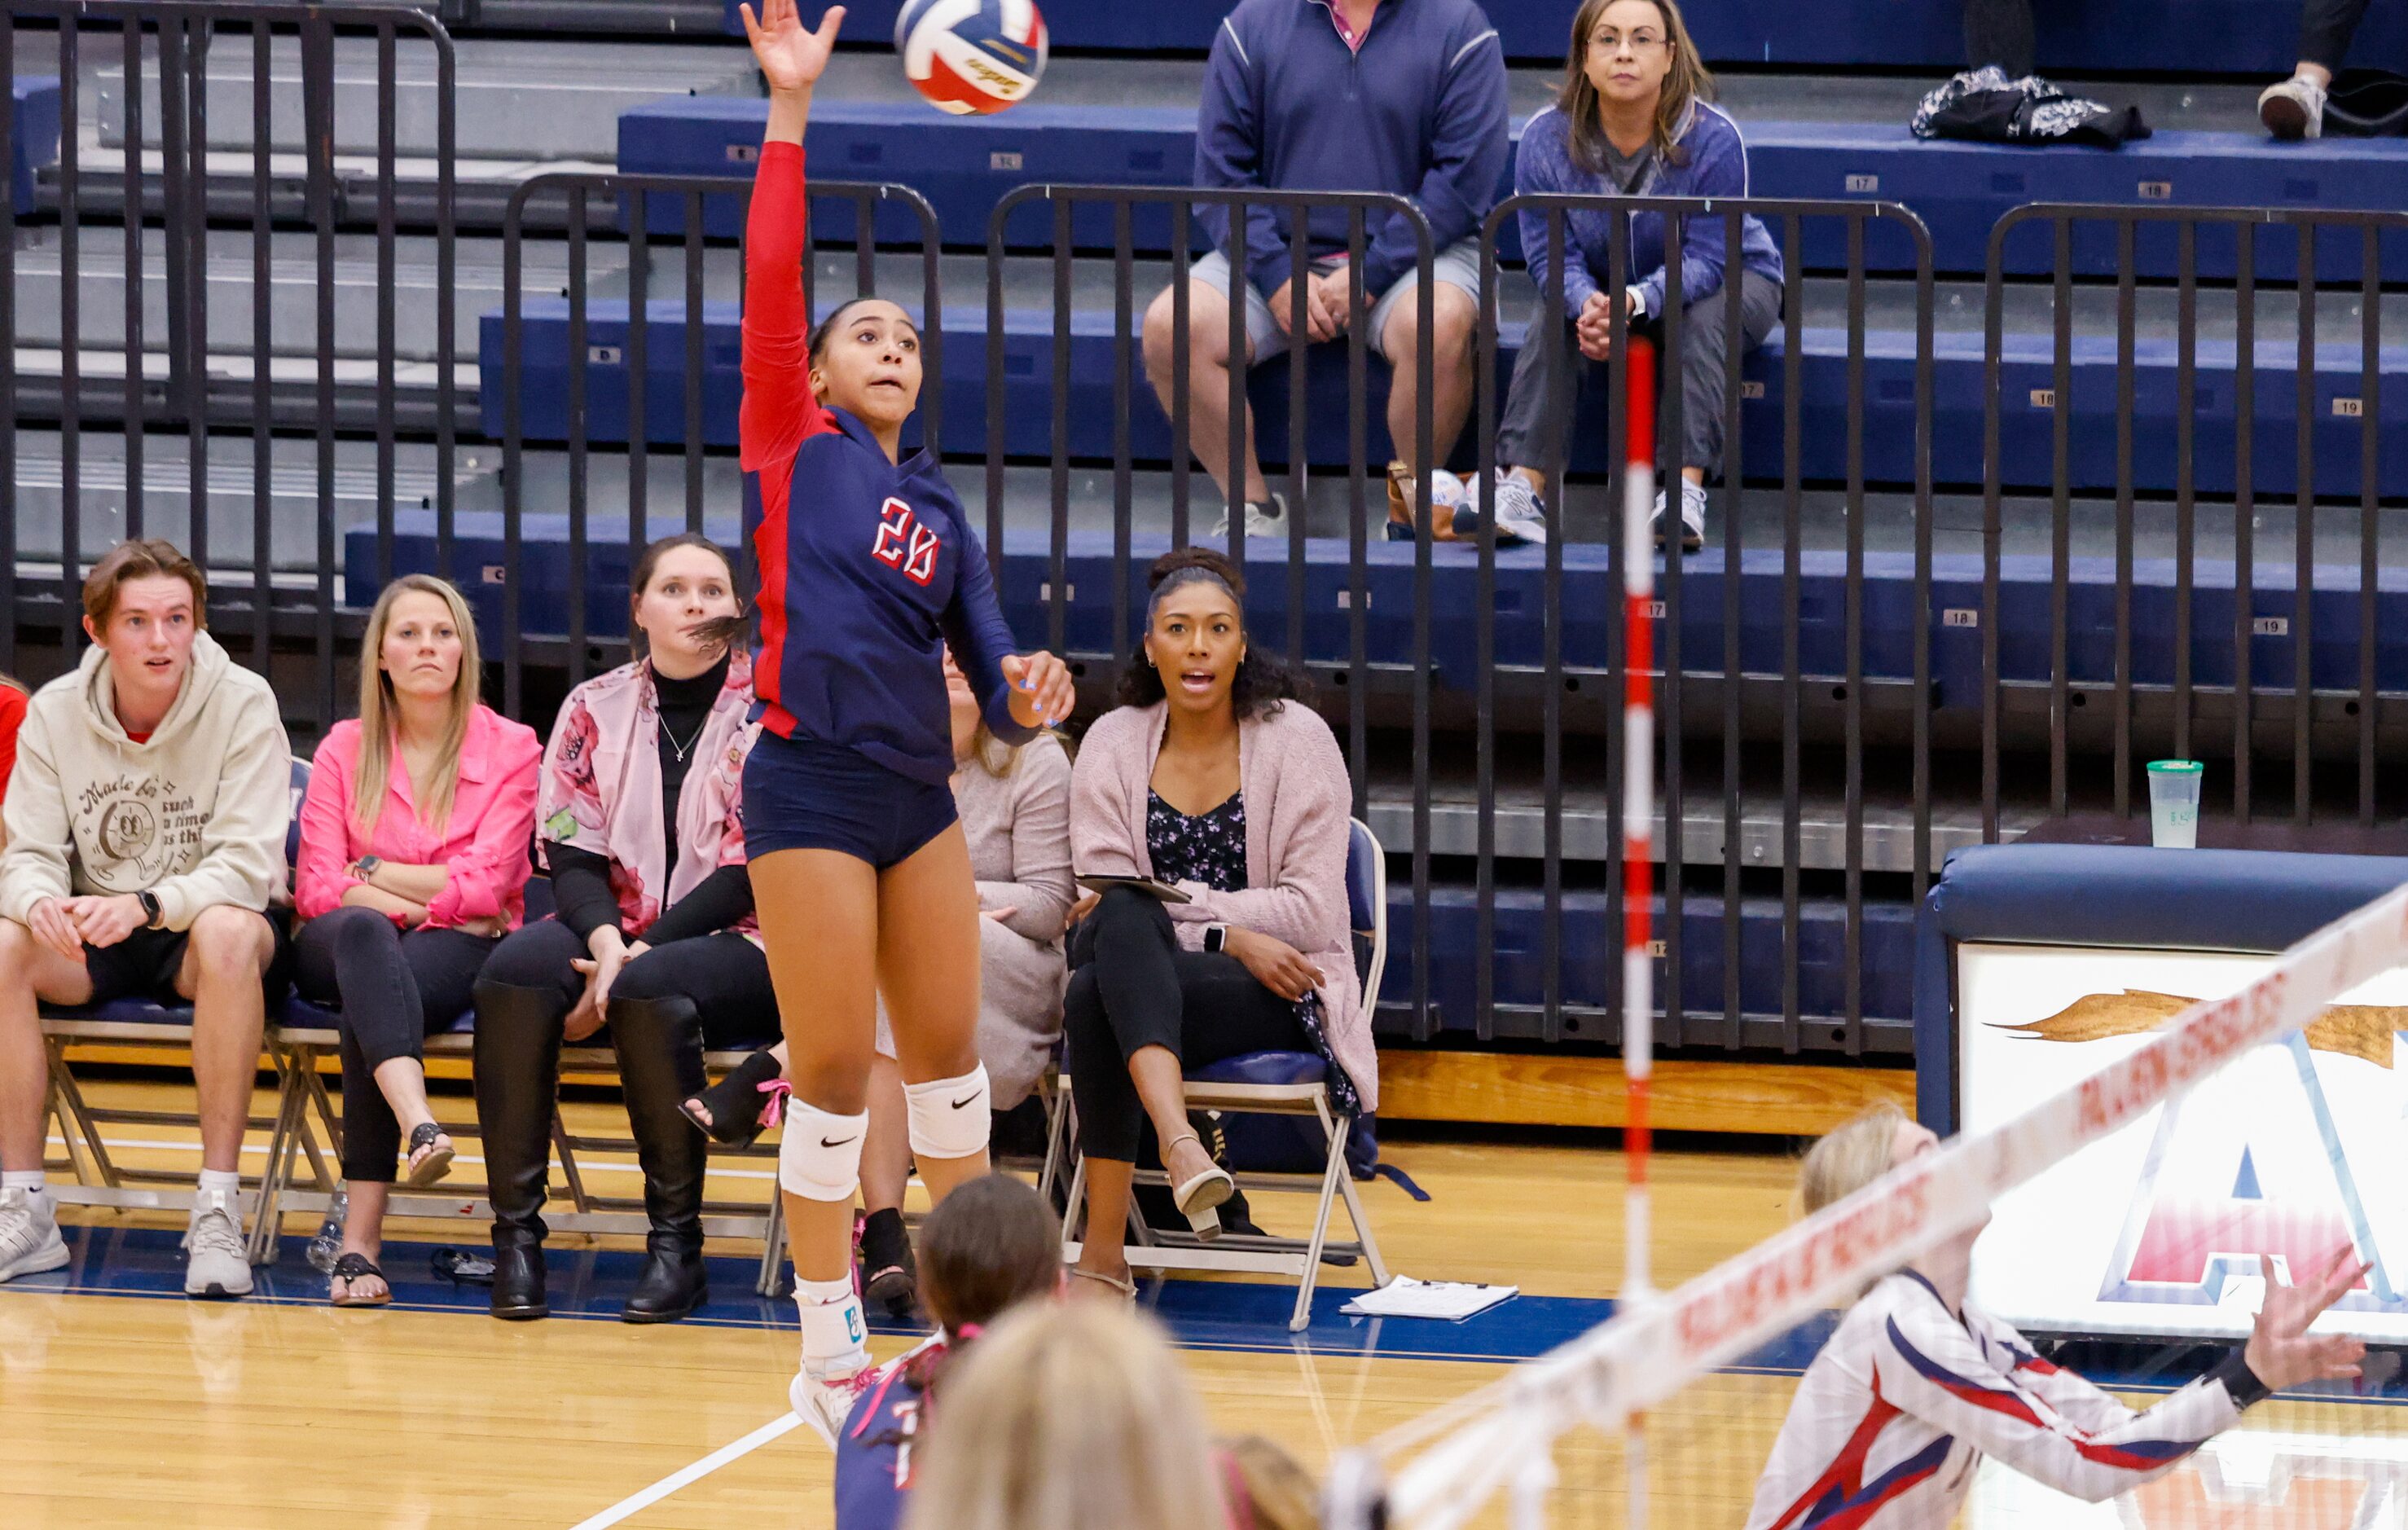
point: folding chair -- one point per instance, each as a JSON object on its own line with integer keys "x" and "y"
{"x": 99, "y": 1179}
{"x": 311, "y": 1035}
{"x": 1273, "y": 1083}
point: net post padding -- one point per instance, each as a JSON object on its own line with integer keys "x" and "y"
{"x": 1450, "y": 1463}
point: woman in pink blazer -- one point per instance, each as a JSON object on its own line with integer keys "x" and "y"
{"x": 413, "y": 863}
{"x": 1212, "y": 778}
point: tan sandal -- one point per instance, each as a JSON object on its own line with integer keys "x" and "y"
{"x": 1200, "y": 1199}
{"x": 1127, "y": 1289}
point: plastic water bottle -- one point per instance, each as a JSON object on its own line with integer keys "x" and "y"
{"x": 328, "y": 1245}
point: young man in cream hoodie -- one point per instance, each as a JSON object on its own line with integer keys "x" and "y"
{"x": 146, "y": 827}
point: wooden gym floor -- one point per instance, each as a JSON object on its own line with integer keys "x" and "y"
{"x": 123, "y": 1404}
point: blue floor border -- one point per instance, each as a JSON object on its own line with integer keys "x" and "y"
{"x": 589, "y": 1285}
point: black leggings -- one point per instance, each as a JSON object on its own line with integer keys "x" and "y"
{"x": 1135, "y": 986}
{"x": 724, "y": 974}
{"x": 395, "y": 989}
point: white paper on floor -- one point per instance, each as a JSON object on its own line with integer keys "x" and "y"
{"x": 1406, "y": 1297}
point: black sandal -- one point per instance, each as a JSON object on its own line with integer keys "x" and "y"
{"x": 436, "y": 1164}
{"x": 351, "y": 1269}
{"x": 734, "y": 1110}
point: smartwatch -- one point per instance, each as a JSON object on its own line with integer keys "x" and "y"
{"x": 152, "y": 912}
{"x": 367, "y": 866}
{"x": 1216, "y": 938}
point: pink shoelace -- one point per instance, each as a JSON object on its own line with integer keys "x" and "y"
{"x": 775, "y": 1110}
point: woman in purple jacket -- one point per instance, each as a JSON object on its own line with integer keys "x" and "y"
{"x": 1209, "y": 778}
{"x": 1634, "y": 119}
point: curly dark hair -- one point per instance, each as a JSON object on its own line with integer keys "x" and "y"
{"x": 1263, "y": 681}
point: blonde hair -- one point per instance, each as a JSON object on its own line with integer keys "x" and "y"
{"x": 379, "y": 716}
{"x": 1268, "y": 1489}
{"x": 1848, "y": 1158}
{"x": 1069, "y": 1416}
{"x": 1687, "y": 81}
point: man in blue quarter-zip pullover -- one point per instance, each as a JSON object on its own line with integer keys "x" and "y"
{"x": 1402, "y": 96}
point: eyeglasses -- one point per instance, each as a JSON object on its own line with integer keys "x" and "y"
{"x": 1640, "y": 42}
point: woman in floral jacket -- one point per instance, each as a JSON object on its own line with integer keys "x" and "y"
{"x": 639, "y": 821}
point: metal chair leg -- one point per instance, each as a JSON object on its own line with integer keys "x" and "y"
{"x": 773, "y": 1247}
{"x": 1332, "y": 1174}
{"x": 267, "y": 1222}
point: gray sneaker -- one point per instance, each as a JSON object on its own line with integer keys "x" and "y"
{"x": 216, "y": 1264}
{"x": 1520, "y": 517}
{"x": 1261, "y": 521}
{"x": 29, "y": 1236}
{"x": 1693, "y": 515}
{"x": 2293, "y": 109}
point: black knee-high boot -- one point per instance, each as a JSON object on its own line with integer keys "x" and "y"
{"x": 518, "y": 1087}
{"x": 660, "y": 1067}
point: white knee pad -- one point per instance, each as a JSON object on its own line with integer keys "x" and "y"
{"x": 820, "y": 1156}
{"x": 950, "y": 1116}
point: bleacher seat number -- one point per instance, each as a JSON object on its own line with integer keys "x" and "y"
{"x": 604, "y": 355}
{"x": 2349, "y": 409}
{"x": 2269, "y": 626}
{"x": 2043, "y": 398}
{"x": 743, "y": 153}
{"x": 1004, "y": 159}
{"x": 1960, "y": 616}
{"x": 2156, "y": 190}
{"x": 1864, "y": 185}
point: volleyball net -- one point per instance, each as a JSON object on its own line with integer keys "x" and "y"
{"x": 2267, "y": 1121}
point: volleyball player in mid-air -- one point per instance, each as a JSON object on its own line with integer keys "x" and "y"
{"x": 1916, "y": 1385}
{"x": 861, "y": 874}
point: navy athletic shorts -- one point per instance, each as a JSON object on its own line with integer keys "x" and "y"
{"x": 801, "y": 793}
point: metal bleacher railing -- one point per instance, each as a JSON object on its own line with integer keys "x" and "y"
{"x": 1934, "y": 609}
{"x": 2333, "y": 701}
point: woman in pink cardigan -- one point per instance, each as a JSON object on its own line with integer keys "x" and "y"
{"x": 413, "y": 863}
{"x": 1208, "y": 776}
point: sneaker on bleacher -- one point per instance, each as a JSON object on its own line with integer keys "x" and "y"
{"x": 1262, "y": 520}
{"x": 2293, "y": 109}
{"x": 29, "y": 1235}
{"x": 1520, "y": 517}
{"x": 1693, "y": 515}
{"x": 216, "y": 1264}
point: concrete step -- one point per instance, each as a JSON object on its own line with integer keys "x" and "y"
{"x": 513, "y": 98}
{"x": 359, "y": 279}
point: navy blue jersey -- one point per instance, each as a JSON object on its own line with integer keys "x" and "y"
{"x": 868, "y": 569}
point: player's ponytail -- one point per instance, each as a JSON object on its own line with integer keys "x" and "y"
{"x": 989, "y": 1246}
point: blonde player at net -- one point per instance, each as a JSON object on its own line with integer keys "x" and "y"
{"x": 1917, "y": 1385}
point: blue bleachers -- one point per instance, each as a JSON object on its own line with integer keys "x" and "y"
{"x": 33, "y": 135}
{"x": 2211, "y": 36}
{"x": 1591, "y": 950}
{"x": 1890, "y": 616}
{"x": 2026, "y": 427}
{"x": 964, "y": 167}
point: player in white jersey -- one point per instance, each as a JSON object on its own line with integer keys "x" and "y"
{"x": 1915, "y": 1386}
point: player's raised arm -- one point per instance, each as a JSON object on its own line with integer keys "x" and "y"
{"x": 779, "y": 409}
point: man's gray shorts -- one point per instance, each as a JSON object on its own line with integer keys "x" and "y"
{"x": 1457, "y": 266}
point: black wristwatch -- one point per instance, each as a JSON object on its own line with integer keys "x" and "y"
{"x": 152, "y": 912}
{"x": 1216, "y": 937}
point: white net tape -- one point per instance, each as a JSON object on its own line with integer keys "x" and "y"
{"x": 1452, "y": 1464}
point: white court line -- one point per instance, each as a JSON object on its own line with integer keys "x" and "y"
{"x": 118, "y": 1144}
{"x": 629, "y": 1507}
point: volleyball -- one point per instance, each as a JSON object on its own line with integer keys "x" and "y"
{"x": 971, "y": 56}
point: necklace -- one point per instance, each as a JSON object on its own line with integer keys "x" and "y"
{"x": 691, "y": 738}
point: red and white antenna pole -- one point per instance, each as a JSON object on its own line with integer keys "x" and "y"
{"x": 1638, "y": 806}
{"x": 1638, "y": 858}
